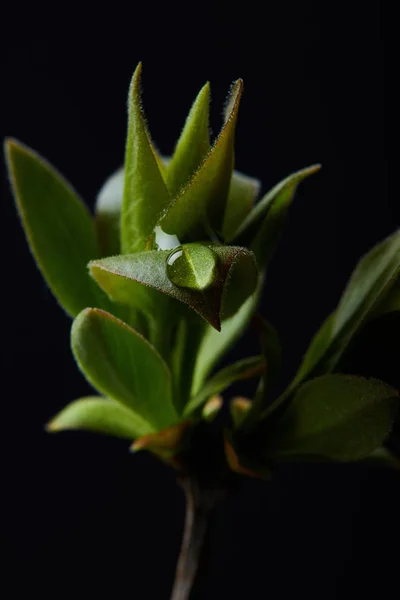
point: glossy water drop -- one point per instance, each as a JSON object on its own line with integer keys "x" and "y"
{"x": 192, "y": 266}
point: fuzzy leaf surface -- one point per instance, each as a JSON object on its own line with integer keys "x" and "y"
{"x": 201, "y": 203}
{"x": 145, "y": 193}
{"x": 193, "y": 144}
{"x": 338, "y": 417}
{"x": 121, "y": 364}
{"x": 123, "y": 278}
{"x": 59, "y": 229}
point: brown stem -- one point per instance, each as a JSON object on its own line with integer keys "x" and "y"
{"x": 198, "y": 507}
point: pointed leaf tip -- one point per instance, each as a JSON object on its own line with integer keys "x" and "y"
{"x": 145, "y": 193}
{"x": 201, "y": 203}
{"x": 57, "y": 225}
{"x": 193, "y": 144}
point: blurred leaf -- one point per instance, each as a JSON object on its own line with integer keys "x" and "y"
{"x": 108, "y": 214}
{"x": 121, "y": 364}
{"x": 239, "y": 409}
{"x": 193, "y": 144}
{"x": 382, "y": 457}
{"x": 338, "y": 417}
{"x": 243, "y": 369}
{"x": 243, "y": 191}
{"x": 166, "y": 444}
{"x": 239, "y": 464}
{"x": 145, "y": 193}
{"x": 124, "y": 278}
{"x": 204, "y": 197}
{"x": 212, "y": 408}
{"x": 262, "y": 228}
{"x": 101, "y": 415}
{"x": 58, "y": 227}
{"x": 390, "y": 303}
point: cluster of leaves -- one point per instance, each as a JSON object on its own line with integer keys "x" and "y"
{"x": 165, "y": 278}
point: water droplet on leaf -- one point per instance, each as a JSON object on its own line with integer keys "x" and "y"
{"x": 192, "y": 266}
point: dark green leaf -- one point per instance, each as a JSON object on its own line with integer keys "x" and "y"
{"x": 243, "y": 369}
{"x": 370, "y": 285}
{"x": 243, "y": 191}
{"x": 108, "y": 214}
{"x": 193, "y": 144}
{"x": 382, "y": 457}
{"x": 121, "y": 364}
{"x": 59, "y": 229}
{"x": 204, "y": 198}
{"x": 272, "y": 351}
{"x": 338, "y": 417}
{"x": 263, "y": 227}
{"x": 124, "y": 278}
{"x": 101, "y": 415}
{"x": 145, "y": 193}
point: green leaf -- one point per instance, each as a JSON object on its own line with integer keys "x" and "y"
{"x": 212, "y": 408}
{"x": 121, "y": 364}
{"x": 337, "y": 417}
{"x": 101, "y": 415}
{"x": 58, "y": 227}
{"x": 368, "y": 289}
{"x": 239, "y": 408}
{"x": 243, "y": 191}
{"x": 124, "y": 279}
{"x": 317, "y": 348}
{"x": 371, "y": 281}
{"x": 272, "y": 351}
{"x": 243, "y": 369}
{"x": 145, "y": 193}
{"x": 390, "y": 303}
{"x": 203, "y": 199}
{"x": 193, "y": 144}
{"x": 215, "y": 344}
{"x": 263, "y": 227}
{"x": 382, "y": 457}
{"x": 108, "y": 214}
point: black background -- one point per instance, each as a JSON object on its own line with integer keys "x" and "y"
{"x": 80, "y": 515}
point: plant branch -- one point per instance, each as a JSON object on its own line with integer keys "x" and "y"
{"x": 199, "y": 504}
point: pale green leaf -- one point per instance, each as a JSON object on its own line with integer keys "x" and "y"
{"x": 59, "y": 229}
{"x": 121, "y": 364}
{"x": 108, "y": 214}
{"x": 145, "y": 193}
{"x": 201, "y": 203}
{"x": 100, "y": 415}
{"x": 193, "y": 144}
